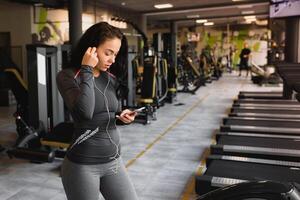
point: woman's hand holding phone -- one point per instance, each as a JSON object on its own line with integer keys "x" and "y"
{"x": 90, "y": 57}
{"x": 127, "y": 116}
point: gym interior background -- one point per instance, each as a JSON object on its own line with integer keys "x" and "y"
{"x": 203, "y": 128}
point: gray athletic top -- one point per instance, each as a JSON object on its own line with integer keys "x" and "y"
{"x": 93, "y": 104}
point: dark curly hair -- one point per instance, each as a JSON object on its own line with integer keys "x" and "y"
{"x": 93, "y": 37}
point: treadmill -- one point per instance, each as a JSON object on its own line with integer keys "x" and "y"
{"x": 261, "y": 95}
{"x": 266, "y": 101}
{"x": 228, "y": 170}
{"x": 274, "y": 148}
{"x": 267, "y": 105}
{"x": 264, "y": 122}
{"x": 259, "y": 92}
{"x": 253, "y": 159}
{"x": 265, "y": 110}
{"x": 261, "y": 125}
{"x": 263, "y": 190}
{"x": 264, "y": 135}
{"x": 265, "y": 115}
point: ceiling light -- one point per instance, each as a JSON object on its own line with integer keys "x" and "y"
{"x": 123, "y": 3}
{"x": 199, "y": 21}
{"x": 246, "y": 22}
{"x": 161, "y": 6}
{"x": 38, "y": 4}
{"x": 192, "y": 16}
{"x": 245, "y": 6}
{"x": 250, "y": 17}
{"x": 262, "y": 22}
{"x": 209, "y": 24}
{"x": 250, "y": 20}
{"x": 247, "y": 12}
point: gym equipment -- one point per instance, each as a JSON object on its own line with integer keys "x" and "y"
{"x": 16, "y": 84}
{"x": 266, "y": 101}
{"x": 267, "y": 147}
{"x": 47, "y": 133}
{"x": 290, "y": 73}
{"x": 149, "y": 97}
{"x": 209, "y": 65}
{"x": 39, "y": 147}
{"x": 266, "y": 110}
{"x": 260, "y": 145}
{"x": 258, "y": 135}
{"x": 228, "y": 170}
{"x": 279, "y": 104}
{"x": 261, "y": 95}
{"x": 43, "y": 65}
{"x": 166, "y": 74}
{"x": 261, "y": 125}
{"x": 261, "y": 76}
{"x": 25, "y": 145}
{"x": 265, "y": 122}
{"x": 265, "y": 115}
{"x": 189, "y": 77}
{"x": 261, "y": 129}
{"x": 263, "y": 190}
{"x": 267, "y": 105}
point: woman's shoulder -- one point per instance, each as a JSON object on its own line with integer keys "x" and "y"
{"x": 66, "y": 74}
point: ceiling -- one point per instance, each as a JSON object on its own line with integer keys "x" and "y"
{"x": 218, "y": 11}
{"x": 221, "y": 12}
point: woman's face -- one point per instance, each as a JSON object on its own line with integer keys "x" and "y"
{"x": 107, "y": 53}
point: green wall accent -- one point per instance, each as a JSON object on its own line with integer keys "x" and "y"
{"x": 42, "y": 18}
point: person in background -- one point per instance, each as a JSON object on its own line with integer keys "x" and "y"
{"x": 244, "y": 59}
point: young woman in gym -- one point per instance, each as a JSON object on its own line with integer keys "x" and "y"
{"x": 93, "y": 163}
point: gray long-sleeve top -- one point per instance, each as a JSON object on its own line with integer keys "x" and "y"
{"x": 93, "y": 104}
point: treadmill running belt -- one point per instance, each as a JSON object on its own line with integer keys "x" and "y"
{"x": 243, "y": 121}
{"x": 260, "y": 142}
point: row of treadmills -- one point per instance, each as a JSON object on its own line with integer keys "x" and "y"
{"x": 257, "y": 149}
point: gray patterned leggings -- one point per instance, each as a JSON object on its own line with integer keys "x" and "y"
{"x": 84, "y": 182}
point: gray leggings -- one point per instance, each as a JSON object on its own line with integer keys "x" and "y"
{"x": 83, "y": 182}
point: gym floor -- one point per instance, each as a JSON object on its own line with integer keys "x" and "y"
{"x": 162, "y": 157}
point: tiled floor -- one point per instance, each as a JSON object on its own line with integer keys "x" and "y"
{"x": 162, "y": 157}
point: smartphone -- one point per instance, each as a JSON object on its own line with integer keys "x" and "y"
{"x": 139, "y": 110}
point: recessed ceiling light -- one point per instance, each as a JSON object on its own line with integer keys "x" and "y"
{"x": 245, "y": 6}
{"x": 161, "y": 6}
{"x": 192, "y": 16}
{"x": 123, "y": 3}
{"x": 247, "y": 12}
{"x": 199, "y": 21}
{"x": 209, "y": 24}
{"x": 38, "y": 4}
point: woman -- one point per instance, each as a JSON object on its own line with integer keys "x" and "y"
{"x": 93, "y": 161}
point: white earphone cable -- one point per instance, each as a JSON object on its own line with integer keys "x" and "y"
{"x": 108, "y": 123}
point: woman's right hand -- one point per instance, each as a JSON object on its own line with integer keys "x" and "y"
{"x": 90, "y": 57}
